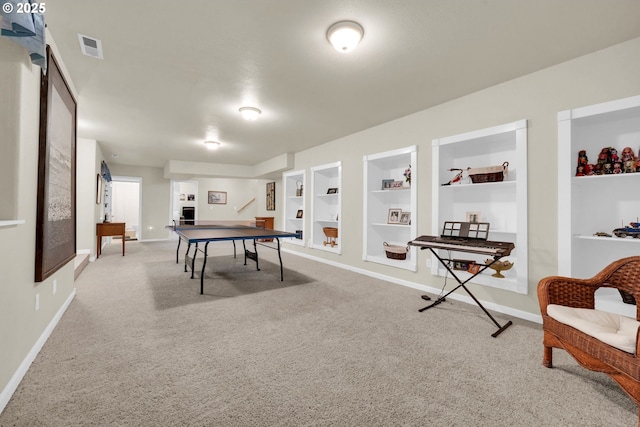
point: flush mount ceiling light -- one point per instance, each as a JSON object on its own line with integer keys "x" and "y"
{"x": 250, "y": 113}
{"x": 212, "y": 145}
{"x": 345, "y": 35}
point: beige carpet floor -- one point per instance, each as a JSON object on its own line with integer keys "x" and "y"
{"x": 139, "y": 346}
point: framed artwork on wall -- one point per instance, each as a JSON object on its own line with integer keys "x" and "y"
{"x": 217, "y": 197}
{"x": 271, "y": 196}
{"x": 56, "y": 194}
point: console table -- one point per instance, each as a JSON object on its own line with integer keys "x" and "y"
{"x": 106, "y": 229}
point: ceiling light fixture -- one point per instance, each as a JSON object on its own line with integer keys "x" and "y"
{"x": 212, "y": 145}
{"x": 345, "y": 35}
{"x": 250, "y": 113}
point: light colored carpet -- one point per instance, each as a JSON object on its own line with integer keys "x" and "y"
{"x": 139, "y": 346}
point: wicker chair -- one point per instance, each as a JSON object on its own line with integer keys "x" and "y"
{"x": 588, "y": 351}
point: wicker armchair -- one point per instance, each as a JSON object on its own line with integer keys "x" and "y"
{"x": 591, "y": 353}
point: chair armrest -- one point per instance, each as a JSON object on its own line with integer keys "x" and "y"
{"x": 567, "y": 291}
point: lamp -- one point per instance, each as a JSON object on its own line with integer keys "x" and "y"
{"x": 250, "y": 113}
{"x": 212, "y": 145}
{"x": 345, "y": 35}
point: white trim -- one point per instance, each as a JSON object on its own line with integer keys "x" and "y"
{"x": 5, "y": 223}
{"x": 458, "y": 297}
{"x": 19, "y": 374}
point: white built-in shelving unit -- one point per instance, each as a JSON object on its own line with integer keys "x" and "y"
{"x": 598, "y": 203}
{"x": 293, "y": 220}
{"x": 326, "y": 197}
{"x": 502, "y": 204}
{"x": 389, "y": 165}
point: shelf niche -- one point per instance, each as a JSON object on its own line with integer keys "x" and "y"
{"x": 294, "y": 183}
{"x": 389, "y": 165}
{"x": 598, "y": 203}
{"x": 325, "y": 206}
{"x": 502, "y": 204}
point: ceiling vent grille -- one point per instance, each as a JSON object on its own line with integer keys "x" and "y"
{"x": 90, "y": 46}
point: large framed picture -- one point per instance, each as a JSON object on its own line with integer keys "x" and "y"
{"x": 217, "y": 197}
{"x": 271, "y": 196}
{"x": 56, "y": 196}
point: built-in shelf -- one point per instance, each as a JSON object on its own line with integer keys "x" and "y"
{"x": 386, "y": 166}
{"x": 294, "y": 198}
{"x": 326, "y": 198}
{"x": 9, "y": 222}
{"x": 503, "y": 204}
{"x": 597, "y": 203}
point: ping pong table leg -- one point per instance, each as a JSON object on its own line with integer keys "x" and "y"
{"x": 178, "y": 249}
{"x": 280, "y": 258}
{"x": 186, "y": 257}
{"x": 204, "y": 263}
{"x": 251, "y": 255}
{"x": 193, "y": 259}
{"x": 234, "y": 248}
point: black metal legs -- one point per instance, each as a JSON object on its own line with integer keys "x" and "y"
{"x": 462, "y": 284}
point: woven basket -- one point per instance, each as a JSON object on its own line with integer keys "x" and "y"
{"x": 395, "y": 251}
{"x": 330, "y": 232}
{"x": 488, "y": 174}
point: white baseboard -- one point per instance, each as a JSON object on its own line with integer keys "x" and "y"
{"x": 17, "y": 377}
{"x": 458, "y": 297}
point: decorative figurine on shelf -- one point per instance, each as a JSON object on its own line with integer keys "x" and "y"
{"x": 614, "y": 155}
{"x": 617, "y": 167}
{"x": 299, "y": 188}
{"x": 407, "y": 174}
{"x": 499, "y": 266}
{"x": 582, "y": 163}
{"x": 628, "y": 159}
{"x": 589, "y": 169}
{"x": 456, "y": 179}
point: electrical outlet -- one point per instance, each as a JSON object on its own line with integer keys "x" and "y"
{"x": 55, "y": 286}
{"x": 37, "y": 302}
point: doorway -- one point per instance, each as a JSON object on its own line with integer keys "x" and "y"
{"x": 126, "y": 199}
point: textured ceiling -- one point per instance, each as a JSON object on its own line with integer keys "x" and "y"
{"x": 175, "y": 73}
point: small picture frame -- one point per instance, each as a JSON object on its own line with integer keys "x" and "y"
{"x": 397, "y": 185}
{"x": 217, "y": 197}
{"x": 299, "y": 214}
{"x": 332, "y": 191}
{"x": 405, "y": 218}
{"x": 191, "y": 197}
{"x": 387, "y": 184}
{"x": 394, "y": 216}
{"x": 474, "y": 217}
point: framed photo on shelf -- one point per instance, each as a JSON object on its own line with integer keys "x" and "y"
{"x": 397, "y": 184}
{"x": 405, "y": 218}
{"x": 394, "y": 216}
{"x": 332, "y": 191}
{"x": 474, "y": 216}
{"x": 299, "y": 214}
{"x": 387, "y": 184}
{"x": 217, "y": 197}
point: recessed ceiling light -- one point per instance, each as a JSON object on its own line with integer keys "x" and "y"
{"x": 345, "y": 35}
{"x": 212, "y": 145}
{"x": 250, "y": 113}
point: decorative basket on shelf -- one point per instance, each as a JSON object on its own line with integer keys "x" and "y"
{"x": 332, "y": 235}
{"x": 395, "y": 251}
{"x": 488, "y": 174}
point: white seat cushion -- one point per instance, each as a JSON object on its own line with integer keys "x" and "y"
{"x": 613, "y": 329}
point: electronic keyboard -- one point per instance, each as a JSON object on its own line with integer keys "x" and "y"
{"x": 464, "y": 245}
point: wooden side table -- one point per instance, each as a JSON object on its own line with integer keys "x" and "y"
{"x": 106, "y": 229}
{"x": 268, "y": 223}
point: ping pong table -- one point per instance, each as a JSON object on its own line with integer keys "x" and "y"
{"x": 195, "y": 233}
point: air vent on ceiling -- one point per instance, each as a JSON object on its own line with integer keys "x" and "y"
{"x": 90, "y": 46}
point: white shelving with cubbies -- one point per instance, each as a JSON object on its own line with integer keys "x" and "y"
{"x": 294, "y": 196}
{"x": 326, "y": 183}
{"x": 378, "y": 201}
{"x": 598, "y": 203}
{"x": 502, "y": 204}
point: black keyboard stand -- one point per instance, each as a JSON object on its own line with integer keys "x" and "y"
{"x": 462, "y": 284}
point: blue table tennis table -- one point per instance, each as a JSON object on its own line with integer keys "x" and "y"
{"x": 199, "y": 233}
